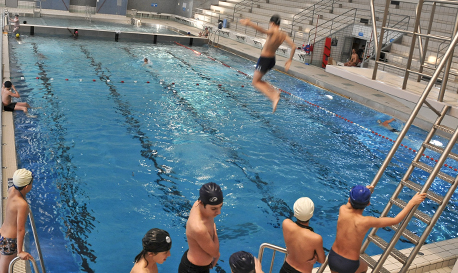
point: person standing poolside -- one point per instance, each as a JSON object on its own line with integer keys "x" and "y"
{"x": 6, "y": 99}
{"x": 156, "y": 249}
{"x": 203, "y": 252}
{"x": 304, "y": 246}
{"x": 13, "y": 229}
{"x": 275, "y": 37}
{"x": 352, "y": 226}
{"x": 244, "y": 262}
{"x": 16, "y": 23}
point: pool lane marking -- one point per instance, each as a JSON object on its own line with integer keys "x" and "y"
{"x": 321, "y": 108}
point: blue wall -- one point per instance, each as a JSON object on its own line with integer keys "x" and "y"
{"x": 112, "y": 7}
{"x": 55, "y": 4}
{"x": 163, "y": 6}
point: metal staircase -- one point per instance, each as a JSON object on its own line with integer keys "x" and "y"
{"x": 401, "y": 229}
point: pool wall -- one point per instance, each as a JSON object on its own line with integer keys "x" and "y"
{"x": 115, "y": 36}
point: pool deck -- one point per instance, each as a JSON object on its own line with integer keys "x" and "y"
{"x": 437, "y": 257}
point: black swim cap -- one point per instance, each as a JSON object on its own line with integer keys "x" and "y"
{"x": 211, "y": 194}
{"x": 275, "y": 19}
{"x": 8, "y": 84}
{"x": 242, "y": 262}
{"x": 157, "y": 240}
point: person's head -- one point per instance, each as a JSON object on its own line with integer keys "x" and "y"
{"x": 353, "y": 51}
{"x": 22, "y": 180}
{"x": 16, "y": 16}
{"x": 8, "y": 84}
{"x": 242, "y": 262}
{"x": 303, "y": 209}
{"x": 145, "y": 60}
{"x": 156, "y": 246}
{"x": 275, "y": 20}
{"x": 211, "y": 197}
{"x": 360, "y": 197}
{"x": 379, "y": 121}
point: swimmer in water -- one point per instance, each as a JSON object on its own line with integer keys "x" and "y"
{"x": 145, "y": 61}
{"x": 244, "y": 262}
{"x": 203, "y": 252}
{"x": 387, "y": 125}
{"x": 156, "y": 249}
{"x": 304, "y": 246}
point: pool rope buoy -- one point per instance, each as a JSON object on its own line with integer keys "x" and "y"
{"x": 294, "y": 96}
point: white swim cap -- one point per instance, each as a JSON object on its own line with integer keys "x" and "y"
{"x": 303, "y": 209}
{"x": 22, "y": 177}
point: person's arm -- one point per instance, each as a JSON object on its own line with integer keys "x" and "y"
{"x": 386, "y": 122}
{"x": 388, "y": 221}
{"x": 206, "y": 242}
{"x": 21, "y": 219}
{"x": 247, "y": 22}
{"x": 321, "y": 257}
{"x": 290, "y": 42}
{"x": 257, "y": 266}
{"x": 216, "y": 241}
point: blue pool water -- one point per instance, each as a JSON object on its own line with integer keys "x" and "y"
{"x": 114, "y": 159}
{"x": 125, "y": 26}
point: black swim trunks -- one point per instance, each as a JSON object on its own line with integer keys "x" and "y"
{"x": 187, "y": 267}
{"x": 286, "y": 268}
{"x": 340, "y": 264}
{"x": 265, "y": 64}
{"x": 9, "y": 107}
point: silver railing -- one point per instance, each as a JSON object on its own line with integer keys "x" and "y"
{"x": 4, "y": 24}
{"x": 15, "y": 260}
{"x": 37, "y": 242}
{"x": 309, "y": 13}
{"x": 244, "y": 5}
{"x": 275, "y": 249}
{"x": 325, "y": 29}
{"x": 35, "y": 6}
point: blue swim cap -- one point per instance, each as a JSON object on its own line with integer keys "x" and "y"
{"x": 359, "y": 197}
{"x": 242, "y": 262}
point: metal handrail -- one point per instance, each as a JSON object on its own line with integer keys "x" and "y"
{"x": 312, "y": 9}
{"x": 242, "y": 5}
{"x": 10, "y": 267}
{"x": 275, "y": 249}
{"x": 37, "y": 242}
{"x": 337, "y": 18}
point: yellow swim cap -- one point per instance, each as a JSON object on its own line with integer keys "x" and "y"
{"x": 17, "y": 35}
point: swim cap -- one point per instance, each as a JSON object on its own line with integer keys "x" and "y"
{"x": 359, "y": 197}
{"x": 157, "y": 240}
{"x": 211, "y": 194}
{"x": 17, "y": 35}
{"x": 8, "y": 84}
{"x": 22, "y": 178}
{"x": 303, "y": 209}
{"x": 242, "y": 262}
{"x": 275, "y": 19}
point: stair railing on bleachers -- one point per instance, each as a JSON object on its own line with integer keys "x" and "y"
{"x": 402, "y": 22}
{"x": 326, "y": 29}
{"x": 309, "y": 13}
{"x": 244, "y": 5}
{"x": 275, "y": 249}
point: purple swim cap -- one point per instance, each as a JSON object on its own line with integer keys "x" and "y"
{"x": 359, "y": 197}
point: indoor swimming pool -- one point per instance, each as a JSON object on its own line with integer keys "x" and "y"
{"x": 120, "y": 147}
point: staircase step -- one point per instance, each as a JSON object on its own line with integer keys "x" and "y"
{"x": 429, "y": 169}
{"x": 429, "y": 194}
{"x": 372, "y": 263}
{"x": 444, "y": 128}
{"x": 383, "y": 245}
{"x": 425, "y": 218}
{"x": 409, "y": 235}
{"x": 439, "y": 150}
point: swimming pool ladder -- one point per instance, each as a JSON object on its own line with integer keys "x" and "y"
{"x": 275, "y": 249}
